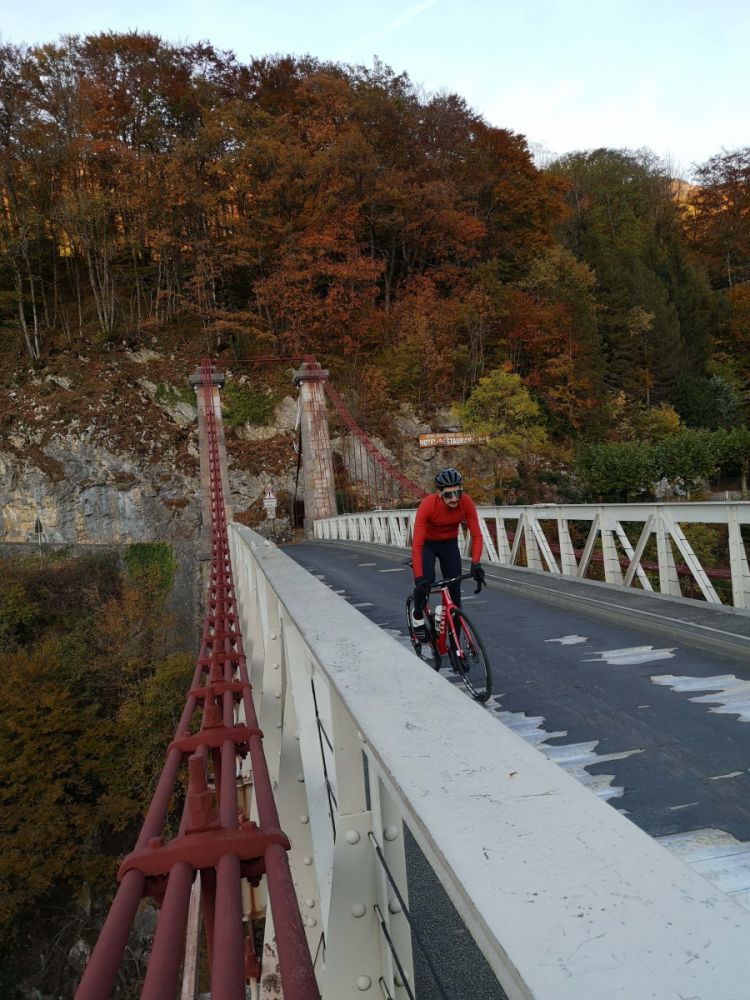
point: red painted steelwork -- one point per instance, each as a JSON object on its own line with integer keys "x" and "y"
{"x": 211, "y": 840}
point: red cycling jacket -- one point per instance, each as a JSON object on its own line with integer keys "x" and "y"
{"x": 436, "y": 522}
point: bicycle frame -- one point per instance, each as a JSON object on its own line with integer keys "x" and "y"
{"x": 447, "y": 626}
{"x": 458, "y": 639}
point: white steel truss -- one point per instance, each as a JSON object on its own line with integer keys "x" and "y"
{"x": 627, "y": 545}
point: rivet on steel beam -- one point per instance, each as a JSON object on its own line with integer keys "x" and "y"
{"x": 304, "y": 819}
{"x": 364, "y": 983}
{"x": 394, "y": 906}
{"x": 307, "y": 861}
{"x": 310, "y": 902}
{"x": 352, "y": 837}
{"x": 300, "y": 777}
{"x": 358, "y": 909}
{"x": 390, "y": 833}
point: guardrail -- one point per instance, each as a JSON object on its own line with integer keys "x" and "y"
{"x": 563, "y": 895}
{"x": 629, "y": 545}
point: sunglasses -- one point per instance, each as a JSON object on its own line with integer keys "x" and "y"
{"x": 451, "y": 494}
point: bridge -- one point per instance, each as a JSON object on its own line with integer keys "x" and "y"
{"x": 360, "y": 827}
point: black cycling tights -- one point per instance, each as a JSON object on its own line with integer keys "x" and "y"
{"x": 449, "y": 557}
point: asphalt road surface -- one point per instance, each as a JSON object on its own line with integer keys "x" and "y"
{"x": 655, "y": 727}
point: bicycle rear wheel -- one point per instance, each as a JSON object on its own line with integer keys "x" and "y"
{"x": 425, "y": 649}
{"x": 470, "y": 659}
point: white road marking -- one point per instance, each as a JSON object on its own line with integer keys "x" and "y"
{"x": 571, "y": 757}
{"x": 724, "y": 861}
{"x": 631, "y": 655}
{"x": 569, "y": 640}
{"x": 731, "y": 693}
{"x": 731, "y": 774}
{"x": 363, "y": 604}
{"x": 367, "y": 564}
{"x": 396, "y": 569}
{"x": 685, "y": 805}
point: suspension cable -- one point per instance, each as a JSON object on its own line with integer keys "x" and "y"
{"x": 211, "y": 838}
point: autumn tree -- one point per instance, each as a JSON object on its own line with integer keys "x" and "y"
{"x": 84, "y": 650}
{"x": 563, "y": 353}
{"x": 718, "y": 218}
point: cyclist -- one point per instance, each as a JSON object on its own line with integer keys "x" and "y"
{"x": 436, "y": 535}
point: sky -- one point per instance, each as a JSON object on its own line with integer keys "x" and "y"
{"x": 568, "y": 74}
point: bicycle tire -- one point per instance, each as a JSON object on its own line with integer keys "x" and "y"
{"x": 473, "y": 665}
{"x": 417, "y": 644}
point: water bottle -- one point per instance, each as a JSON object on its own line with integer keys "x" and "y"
{"x": 439, "y": 619}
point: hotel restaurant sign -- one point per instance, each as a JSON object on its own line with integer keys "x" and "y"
{"x": 450, "y": 439}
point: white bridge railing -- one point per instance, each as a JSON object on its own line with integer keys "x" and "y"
{"x": 650, "y": 546}
{"x": 563, "y": 895}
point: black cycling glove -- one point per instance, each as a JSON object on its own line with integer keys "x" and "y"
{"x": 421, "y": 592}
{"x": 478, "y": 573}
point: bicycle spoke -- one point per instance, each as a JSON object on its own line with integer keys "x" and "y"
{"x": 469, "y": 658}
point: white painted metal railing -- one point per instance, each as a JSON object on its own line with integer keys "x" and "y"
{"x": 637, "y": 545}
{"x": 563, "y": 895}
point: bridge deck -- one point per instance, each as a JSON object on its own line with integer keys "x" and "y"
{"x": 613, "y": 685}
{"x": 611, "y": 702}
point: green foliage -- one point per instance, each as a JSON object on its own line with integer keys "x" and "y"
{"x": 736, "y": 450}
{"x": 625, "y": 224}
{"x": 618, "y": 471}
{"x": 657, "y": 422}
{"x": 242, "y": 405}
{"x": 628, "y": 470}
{"x": 689, "y": 458}
{"x": 709, "y": 402}
{"x": 171, "y": 394}
{"x": 18, "y": 615}
{"x": 501, "y": 407}
{"x": 151, "y": 566}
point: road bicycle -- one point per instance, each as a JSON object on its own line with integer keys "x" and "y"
{"x": 453, "y": 634}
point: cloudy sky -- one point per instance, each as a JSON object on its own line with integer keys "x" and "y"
{"x": 569, "y": 74}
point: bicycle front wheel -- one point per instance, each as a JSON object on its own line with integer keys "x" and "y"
{"x": 426, "y": 649}
{"x": 469, "y": 659}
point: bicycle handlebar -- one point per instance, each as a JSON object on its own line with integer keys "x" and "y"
{"x": 440, "y": 584}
